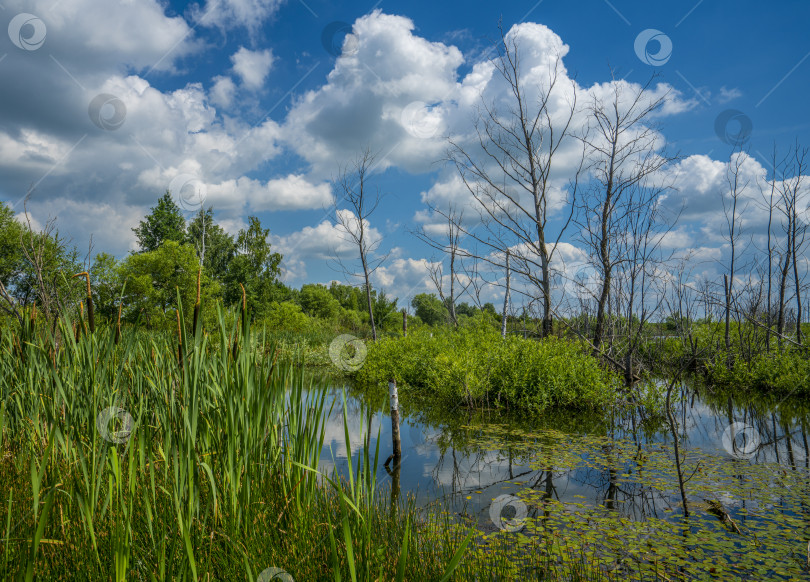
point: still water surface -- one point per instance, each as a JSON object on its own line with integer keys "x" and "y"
{"x": 584, "y": 474}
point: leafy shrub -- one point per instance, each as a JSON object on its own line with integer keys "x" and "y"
{"x": 286, "y": 315}
{"x": 477, "y": 365}
{"x": 781, "y": 373}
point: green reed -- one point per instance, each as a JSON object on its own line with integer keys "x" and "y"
{"x": 188, "y": 456}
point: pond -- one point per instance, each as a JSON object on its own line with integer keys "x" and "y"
{"x": 607, "y": 487}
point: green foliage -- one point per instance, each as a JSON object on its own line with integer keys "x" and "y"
{"x": 429, "y": 309}
{"x": 11, "y": 257}
{"x": 384, "y": 309}
{"x": 350, "y": 297}
{"x": 256, "y": 267}
{"x": 466, "y": 309}
{"x": 317, "y": 301}
{"x": 785, "y": 373}
{"x": 477, "y": 365}
{"x": 165, "y": 222}
{"x": 221, "y": 439}
{"x": 58, "y": 264}
{"x": 107, "y": 285}
{"x": 152, "y": 278}
{"x": 220, "y": 247}
{"x": 285, "y": 316}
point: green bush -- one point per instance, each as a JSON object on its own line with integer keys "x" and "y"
{"x": 477, "y": 365}
{"x": 286, "y": 315}
{"x": 782, "y": 373}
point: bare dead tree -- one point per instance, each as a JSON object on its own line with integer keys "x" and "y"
{"x": 43, "y": 251}
{"x": 477, "y": 282}
{"x": 682, "y": 304}
{"x": 641, "y": 291}
{"x": 623, "y": 153}
{"x": 771, "y": 202}
{"x": 734, "y": 206}
{"x": 505, "y": 312}
{"x": 510, "y": 170}
{"x": 352, "y": 182}
{"x": 798, "y": 232}
{"x": 9, "y": 305}
{"x": 789, "y": 181}
{"x": 449, "y": 245}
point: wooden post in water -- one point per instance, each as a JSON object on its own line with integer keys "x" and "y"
{"x": 392, "y": 393}
{"x": 394, "y": 474}
{"x": 404, "y": 323}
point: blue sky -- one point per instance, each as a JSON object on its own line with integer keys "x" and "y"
{"x": 244, "y": 100}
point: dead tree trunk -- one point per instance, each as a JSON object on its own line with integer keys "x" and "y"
{"x": 505, "y": 313}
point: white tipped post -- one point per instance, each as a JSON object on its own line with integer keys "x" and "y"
{"x": 392, "y": 394}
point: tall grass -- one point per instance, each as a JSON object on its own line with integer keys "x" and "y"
{"x": 189, "y": 456}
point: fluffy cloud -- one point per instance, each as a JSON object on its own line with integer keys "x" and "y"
{"x": 88, "y": 35}
{"x": 252, "y": 66}
{"x": 391, "y": 90}
{"x": 222, "y": 91}
{"x": 227, "y": 14}
{"x": 291, "y": 192}
{"x": 327, "y": 240}
{"x": 389, "y": 93}
{"x": 407, "y": 276}
{"x": 700, "y": 186}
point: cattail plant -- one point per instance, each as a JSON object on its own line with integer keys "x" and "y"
{"x": 26, "y": 334}
{"x": 207, "y": 452}
{"x": 197, "y": 304}
{"x": 90, "y": 314}
{"x": 179, "y": 341}
{"x": 118, "y": 325}
{"x": 77, "y": 330}
{"x": 244, "y": 322}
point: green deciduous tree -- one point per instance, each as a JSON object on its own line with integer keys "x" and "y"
{"x": 429, "y": 309}
{"x": 11, "y": 257}
{"x": 350, "y": 297}
{"x": 105, "y": 276}
{"x": 217, "y": 248}
{"x": 285, "y": 316}
{"x": 317, "y": 301}
{"x": 153, "y": 276}
{"x": 384, "y": 308}
{"x": 45, "y": 276}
